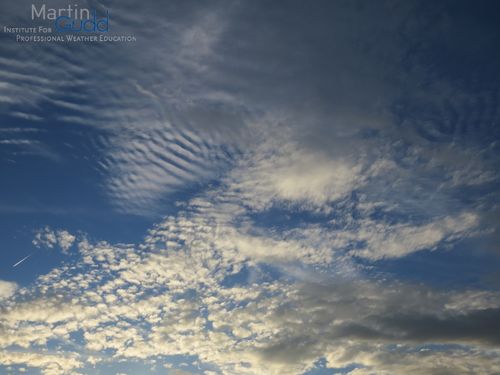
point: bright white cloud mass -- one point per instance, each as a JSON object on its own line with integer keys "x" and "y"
{"x": 253, "y": 188}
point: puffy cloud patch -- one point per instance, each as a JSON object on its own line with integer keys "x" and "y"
{"x": 296, "y": 176}
{"x": 50, "y": 238}
{"x": 395, "y": 241}
{"x": 7, "y": 289}
{"x": 170, "y": 296}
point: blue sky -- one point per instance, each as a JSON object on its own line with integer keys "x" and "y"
{"x": 252, "y": 187}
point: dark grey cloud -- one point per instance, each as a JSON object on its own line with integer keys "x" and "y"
{"x": 323, "y": 315}
{"x": 476, "y": 327}
{"x": 482, "y": 326}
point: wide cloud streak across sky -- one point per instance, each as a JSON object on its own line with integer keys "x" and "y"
{"x": 253, "y": 188}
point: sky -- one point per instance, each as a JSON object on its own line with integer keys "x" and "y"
{"x": 251, "y": 188}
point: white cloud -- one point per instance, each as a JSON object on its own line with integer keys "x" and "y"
{"x": 50, "y": 364}
{"x": 49, "y": 238}
{"x": 156, "y": 299}
{"x": 65, "y": 239}
{"x": 7, "y": 289}
{"x": 395, "y": 241}
{"x": 296, "y": 176}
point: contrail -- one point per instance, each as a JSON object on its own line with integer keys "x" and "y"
{"x": 22, "y": 260}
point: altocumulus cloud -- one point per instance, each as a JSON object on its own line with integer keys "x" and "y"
{"x": 7, "y": 289}
{"x": 172, "y": 295}
{"x": 48, "y": 238}
{"x": 318, "y": 151}
{"x": 206, "y": 86}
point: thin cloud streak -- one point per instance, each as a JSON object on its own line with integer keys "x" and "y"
{"x": 22, "y": 260}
